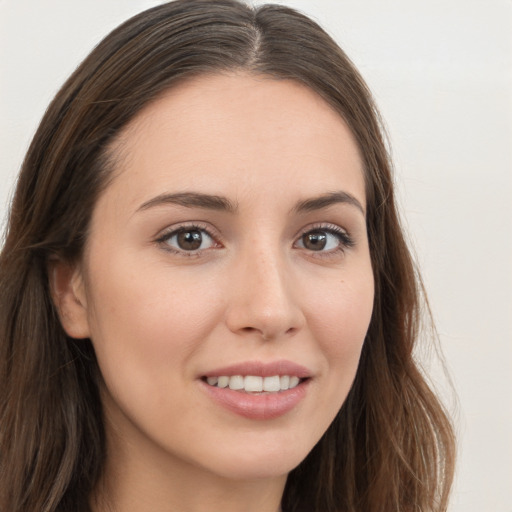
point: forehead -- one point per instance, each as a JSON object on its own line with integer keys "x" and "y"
{"x": 229, "y": 130}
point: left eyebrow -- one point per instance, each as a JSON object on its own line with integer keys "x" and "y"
{"x": 192, "y": 200}
{"x": 325, "y": 200}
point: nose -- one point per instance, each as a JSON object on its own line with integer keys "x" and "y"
{"x": 263, "y": 298}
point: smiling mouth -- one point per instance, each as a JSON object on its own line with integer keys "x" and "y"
{"x": 255, "y": 384}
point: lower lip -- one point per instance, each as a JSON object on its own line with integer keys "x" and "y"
{"x": 265, "y": 406}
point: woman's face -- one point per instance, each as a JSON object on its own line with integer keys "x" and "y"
{"x": 229, "y": 251}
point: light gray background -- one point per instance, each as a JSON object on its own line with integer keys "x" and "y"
{"x": 441, "y": 72}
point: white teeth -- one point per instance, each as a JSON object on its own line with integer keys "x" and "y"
{"x": 254, "y": 383}
{"x": 223, "y": 382}
{"x": 236, "y": 382}
{"x": 294, "y": 381}
{"x": 272, "y": 384}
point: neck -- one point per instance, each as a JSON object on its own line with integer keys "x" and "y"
{"x": 138, "y": 489}
{"x": 131, "y": 492}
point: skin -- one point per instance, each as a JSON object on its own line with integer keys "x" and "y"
{"x": 160, "y": 316}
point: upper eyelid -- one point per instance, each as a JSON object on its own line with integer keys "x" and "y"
{"x": 327, "y": 226}
{"x": 191, "y": 225}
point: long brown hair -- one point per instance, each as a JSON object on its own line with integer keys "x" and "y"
{"x": 391, "y": 445}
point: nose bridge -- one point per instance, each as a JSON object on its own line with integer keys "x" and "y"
{"x": 268, "y": 272}
{"x": 263, "y": 298}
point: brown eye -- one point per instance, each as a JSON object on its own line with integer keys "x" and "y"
{"x": 188, "y": 240}
{"x": 314, "y": 240}
{"x": 327, "y": 240}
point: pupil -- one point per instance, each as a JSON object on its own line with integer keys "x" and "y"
{"x": 315, "y": 241}
{"x": 190, "y": 240}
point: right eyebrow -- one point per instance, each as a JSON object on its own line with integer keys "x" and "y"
{"x": 192, "y": 200}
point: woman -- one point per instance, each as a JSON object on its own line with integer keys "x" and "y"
{"x": 207, "y": 302}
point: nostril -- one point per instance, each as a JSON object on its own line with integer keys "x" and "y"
{"x": 267, "y": 335}
{"x": 261, "y": 332}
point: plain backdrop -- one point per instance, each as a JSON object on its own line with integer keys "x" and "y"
{"x": 441, "y": 71}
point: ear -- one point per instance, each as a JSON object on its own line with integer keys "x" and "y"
{"x": 68, "y": 294}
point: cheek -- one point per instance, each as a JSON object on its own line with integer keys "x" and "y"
{"x": 342, "y": 309}
{"x": 143, "y": 323}
{"x": 339, "y": 318}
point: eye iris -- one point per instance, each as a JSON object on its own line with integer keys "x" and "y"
{"x": 190, "y": 240}
{"x": 315, "y": 240}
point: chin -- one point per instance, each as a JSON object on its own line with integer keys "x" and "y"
{"x": 260, "y": 460}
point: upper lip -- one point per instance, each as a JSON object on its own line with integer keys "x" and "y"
{"x": 261, "y": 369}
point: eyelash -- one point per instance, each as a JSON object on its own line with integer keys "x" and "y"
{"x": 175, "y": 231}
{"x": 345, "y": 240}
